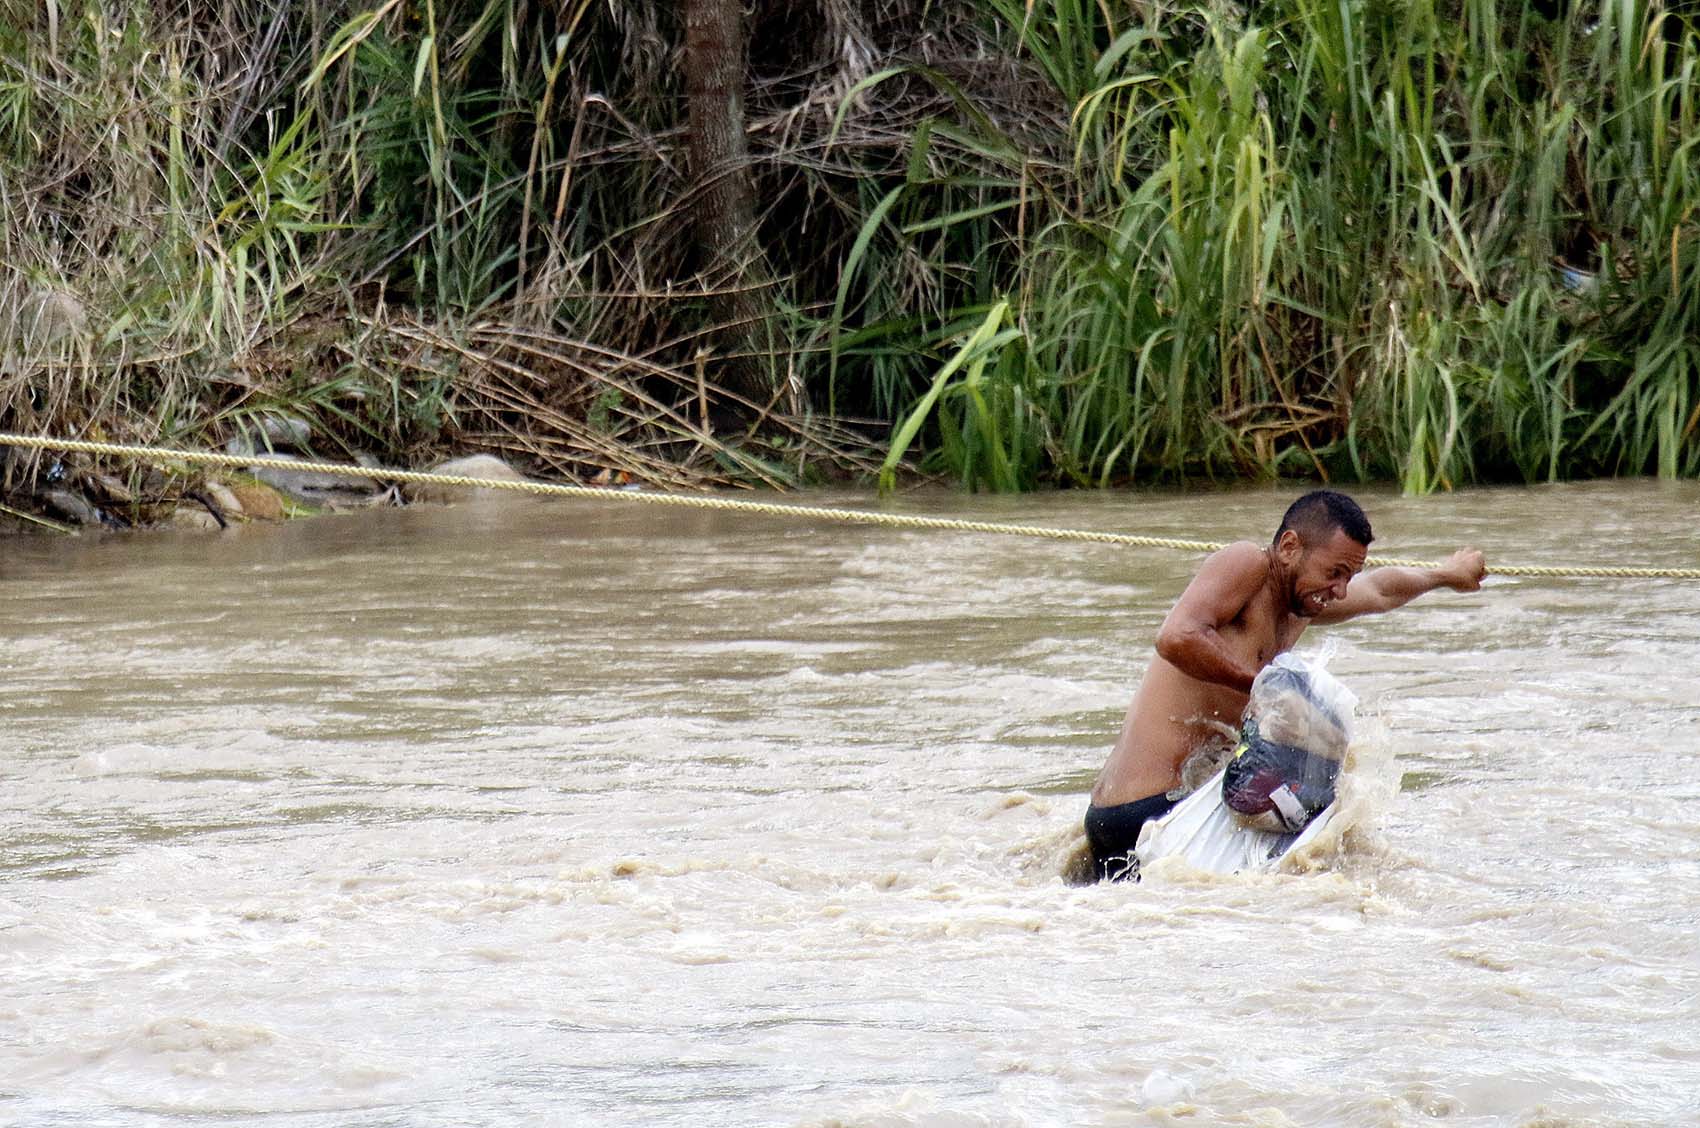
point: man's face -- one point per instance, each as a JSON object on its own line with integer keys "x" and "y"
{"x": 1321, "y": 572}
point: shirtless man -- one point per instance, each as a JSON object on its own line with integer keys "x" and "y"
{"x": 1246, "y": 605}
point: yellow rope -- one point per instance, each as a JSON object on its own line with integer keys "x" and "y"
{"x": 809, "y": 512}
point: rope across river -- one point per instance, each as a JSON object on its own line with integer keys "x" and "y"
{"x": 741, "y": 505}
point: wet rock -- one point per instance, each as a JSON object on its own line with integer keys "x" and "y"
{"x": 266, "y": 434}
{"x": 108, "y": 488}
{"x": 310, "y": 487}
{"x": 472, "y": 466}
{"x": 201, "y": 498}
{"x": 69, "y": 506}
{"x": 225, "y": 499}
{"x": 259, "y": 502}
{"x": 193, "y": 516}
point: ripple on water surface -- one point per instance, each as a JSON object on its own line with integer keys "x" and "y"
{"x": 572, "y": 814}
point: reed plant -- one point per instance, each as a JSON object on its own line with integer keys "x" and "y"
{"x": 414, "y": 226}
{"x": 1016, "y": 242}
{"x": 1439, "y": 242}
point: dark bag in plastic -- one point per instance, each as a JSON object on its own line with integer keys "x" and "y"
{"x": 1292, "y": 740}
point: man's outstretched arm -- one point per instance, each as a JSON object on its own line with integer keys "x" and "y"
{"x": 1383, "y": 589}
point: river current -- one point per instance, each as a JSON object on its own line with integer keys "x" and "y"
{"x": 566, "y": 813}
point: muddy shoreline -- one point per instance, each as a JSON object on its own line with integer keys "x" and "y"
{"x": 62, "y": 493}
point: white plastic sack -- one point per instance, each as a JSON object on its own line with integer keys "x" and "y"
{"x": 1281, "y": 777}
{"x": 1209, "y": 837}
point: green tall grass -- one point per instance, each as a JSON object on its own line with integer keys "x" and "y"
{"x": 1440, "y": 242}
{"x": 1015, "y": 243}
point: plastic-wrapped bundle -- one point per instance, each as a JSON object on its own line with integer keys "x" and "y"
{"x": 1292, "y": 741}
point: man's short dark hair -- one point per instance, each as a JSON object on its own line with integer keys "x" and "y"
{"x": 1317, "y": 514}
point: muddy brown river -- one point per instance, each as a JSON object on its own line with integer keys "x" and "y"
{"x": 590, "y": 814}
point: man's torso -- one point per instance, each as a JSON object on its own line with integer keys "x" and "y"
{"x": 1174, "y": 715}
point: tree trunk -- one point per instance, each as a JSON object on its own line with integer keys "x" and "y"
{"x": 722, "y": 198}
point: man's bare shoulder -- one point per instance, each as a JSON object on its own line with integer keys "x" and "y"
{"x": 1227, "y": 580}
{"x": 1243, "y": 561}
{"x": 1243, "y": 552}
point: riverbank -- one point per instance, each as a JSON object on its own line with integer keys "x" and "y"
{"x": 274, "y": 472}
{"x": 1026, "y": 245}
{"x": 77, "y": 490}
{"x": 203, "y": 491}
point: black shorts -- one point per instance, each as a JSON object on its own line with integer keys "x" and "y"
{"x": 1113, "y": 832}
